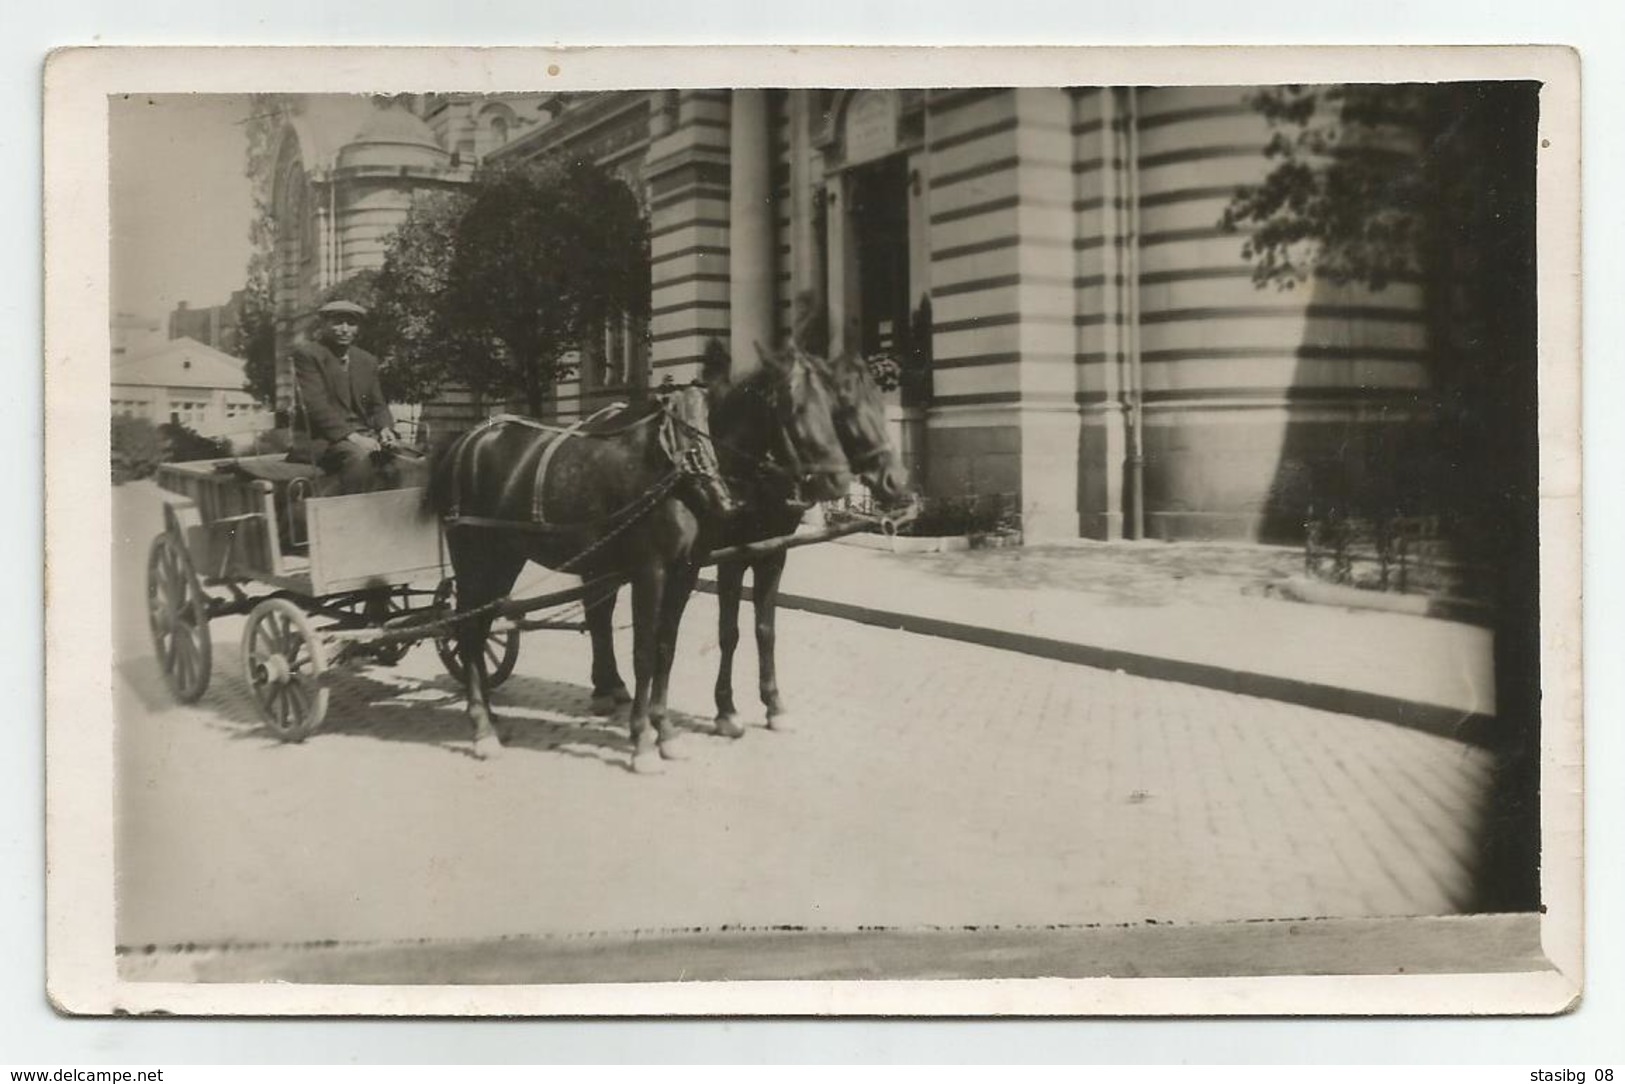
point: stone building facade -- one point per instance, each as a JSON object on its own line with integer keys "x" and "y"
{"x": 1092, "y": 340}
{"x": 1044, "y": 265}
{"x": 345, "y": 172}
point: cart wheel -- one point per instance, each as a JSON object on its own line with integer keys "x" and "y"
{"x": 286, "y": 669}
{"x": 178, "y": 615}
{"x": 501, "y": 648}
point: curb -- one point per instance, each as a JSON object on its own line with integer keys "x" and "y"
{"x": 1474, "y": 728}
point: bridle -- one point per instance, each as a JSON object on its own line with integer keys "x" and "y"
{"x": 784, "y": 457}
{"x": 688, "y": 458}
{"x": 876, "y": 453}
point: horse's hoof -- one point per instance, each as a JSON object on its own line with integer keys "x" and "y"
{"x": 606, "y": 703}
{"x": 487, "y": 748}
{"x": 647, "y": 763}
{"x": 728, "y": 726}
{"x": 780, "y": 721}
{"x": 670, "y": 750}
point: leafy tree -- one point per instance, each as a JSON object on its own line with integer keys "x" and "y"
{"x": 494, "y": 286}
{"x": 136, "y": 448}
{"x": 410, "y": 323}
{"x": 1347, "y": 197}
{"x": 256, "y": 336}
{"x": 1430, "y": 184}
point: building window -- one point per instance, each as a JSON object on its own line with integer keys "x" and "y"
{"x": 493, "y": 128}
{"x": 188, "y": 412}
{"x": 619, "y": 355}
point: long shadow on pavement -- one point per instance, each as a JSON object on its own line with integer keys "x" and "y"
{"x": 533, "y": 714}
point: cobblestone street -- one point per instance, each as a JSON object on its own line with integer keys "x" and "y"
{"x": 926, "y": 783}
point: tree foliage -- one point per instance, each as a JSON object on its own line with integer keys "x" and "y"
{"x": 256, "y": 336}
{"x": 136, "y": 449}
{"x": 411, "y": 324}
{"x": 1347, "y": 196}
{"x": 494, "y": 285}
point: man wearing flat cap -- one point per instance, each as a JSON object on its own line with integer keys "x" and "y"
{"x": 341, "y": 403}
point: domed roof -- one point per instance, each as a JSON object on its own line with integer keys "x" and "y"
{"x": 392, "y": 124}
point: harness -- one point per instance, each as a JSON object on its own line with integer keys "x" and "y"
{"x": 536, "y": 508}
{"x": 685, "y": 462}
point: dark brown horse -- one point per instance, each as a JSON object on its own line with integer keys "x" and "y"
{"x": 622, "y": 495}
{"x": 775, "y": 489}
{"x": 768, "y": 509}
{"x": 783, "y": 422}
{"x": 781, "y": 438}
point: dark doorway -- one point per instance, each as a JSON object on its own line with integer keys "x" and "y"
{"x": 880, "y": 228}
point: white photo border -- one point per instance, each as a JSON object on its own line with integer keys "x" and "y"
{"x": 82, "y": 976}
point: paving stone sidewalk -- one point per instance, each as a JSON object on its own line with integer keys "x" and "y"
{"x": 1190, "y": 612}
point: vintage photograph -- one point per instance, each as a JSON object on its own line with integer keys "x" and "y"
{"x": 839, "y": 534}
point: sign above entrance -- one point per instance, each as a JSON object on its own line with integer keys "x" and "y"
{"x": 871, "y": 126}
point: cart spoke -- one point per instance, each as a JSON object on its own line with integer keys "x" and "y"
{"x": 298, "y": 701}
{"x": 273, "y": 635}
{"x": 185, "y": 662}
{"x": 266, "y": 637}
{"x": 159, "y": 599}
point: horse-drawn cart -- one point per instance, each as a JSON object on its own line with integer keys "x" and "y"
{"x": 322, "y": 580}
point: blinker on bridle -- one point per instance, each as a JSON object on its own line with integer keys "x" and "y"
{"x": 799, "y": 470}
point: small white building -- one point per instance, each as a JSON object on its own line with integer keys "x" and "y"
{"x": 196, "y": 385}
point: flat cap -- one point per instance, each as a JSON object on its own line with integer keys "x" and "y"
{"x": 349, "y": 307}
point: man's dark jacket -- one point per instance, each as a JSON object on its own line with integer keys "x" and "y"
{"x": 334, "y": 401}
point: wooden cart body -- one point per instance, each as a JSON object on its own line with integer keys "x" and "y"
{"x": 228, "y": 523}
